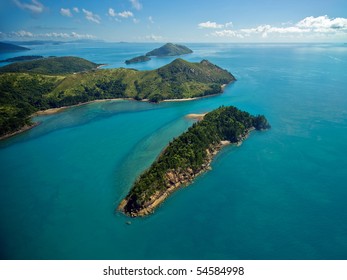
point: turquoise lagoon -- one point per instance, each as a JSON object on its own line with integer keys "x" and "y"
{"x": 280, "y": 195}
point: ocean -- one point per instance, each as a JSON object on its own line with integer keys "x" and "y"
{"x": 280, "y": 195}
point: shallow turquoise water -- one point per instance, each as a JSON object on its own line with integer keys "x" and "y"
{"x": 280, "y": 195}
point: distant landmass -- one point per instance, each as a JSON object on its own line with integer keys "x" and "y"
{"x": 188, "y": 156}
{"x": 168, "y": 49}
{"x": 7, "y": 47}
{"x": 138, "y": 59}
{"x": 51, "y": 65}
{"x": 22, "y": 58}
{"x": 30, "y": 86}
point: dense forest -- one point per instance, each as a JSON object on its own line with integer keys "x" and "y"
{"x": 187, "y": 156}
{"x": 24, "y": 93}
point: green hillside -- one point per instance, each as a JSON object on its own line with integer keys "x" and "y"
{"x": 22, "y": 94}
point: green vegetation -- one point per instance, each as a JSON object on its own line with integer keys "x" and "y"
{"x": 138, "y": 59}
{"x": 7, "y": 47}
{"x": 169, "y": 49}
{"x": 51, "y": 66}
{"x": 22, "y": 94}
{"x": 22, "y": 58}
{"x": 189, "y": 155}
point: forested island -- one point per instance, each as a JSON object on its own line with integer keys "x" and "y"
{"x": 137, "y": 59}
{"x": 168, "y": 49}
{"x": 31, "y": 86}
{"x": 188, "y": 156}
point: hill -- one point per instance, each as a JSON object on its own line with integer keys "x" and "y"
{"x": 187, "y": 156}
{"x": 51, "y": 65}
{"x": 169, "y": 49}
{"x": 23, "y": 94}
{"x": 7, "y": 47}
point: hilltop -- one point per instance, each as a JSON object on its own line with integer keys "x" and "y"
{"x": 25, "y": 93}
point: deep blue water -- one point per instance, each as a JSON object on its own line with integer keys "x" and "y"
{"x": 280, "y": 195}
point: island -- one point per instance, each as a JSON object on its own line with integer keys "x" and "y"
{"x": 7, "y": 47}
{"x": 141, "y": 58}
{"x": 22, "y": 58}
{"x": 51, "y": 65}
{"x": 188, "y": 156}
{"x": 51, "y": 83}
{"x": 168, "y": 49}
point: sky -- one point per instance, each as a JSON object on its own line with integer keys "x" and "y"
{"x": 175, "y": 20}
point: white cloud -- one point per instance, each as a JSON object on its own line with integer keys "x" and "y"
{"x": 51, "y": 35}
{"x": 153, "y": 37}
{"x": 22, "y": 34}
{"x": 65, "y": 12}
{"x": 91, "y": 17}
{"x": 76, "y": 10}
{"x": 111, "y": 12}
{"x": 309, "y": 26}
{"x": 126, "y": 14}
{"x": 136, "y": 20}
{"x": 209, "y": 24}
{"x": 35, "y": 6}
{"x": 150, "y": 18}
{"x": 136, "y": 4}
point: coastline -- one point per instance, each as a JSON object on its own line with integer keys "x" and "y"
{"x": 23, "y": 129}
{"x": 176, "y": 181}
{"x": 52, "y": 111}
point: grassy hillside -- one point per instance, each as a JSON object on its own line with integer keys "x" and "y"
{"x": 51, "y": 66}
{"x": 22, "y": 94}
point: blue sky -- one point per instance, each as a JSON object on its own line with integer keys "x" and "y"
{"x": 175, "y": 21}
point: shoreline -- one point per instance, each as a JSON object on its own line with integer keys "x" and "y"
{"x": 23, "y": 129}
{"x": 159, "y": 198}
{"x": 52, "y": 111}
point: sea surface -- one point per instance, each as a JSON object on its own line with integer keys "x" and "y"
{"x": 280, "y": 195}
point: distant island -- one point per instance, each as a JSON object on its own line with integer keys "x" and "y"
{"x": 138, "y": 59}
{"x": 51, "y": 65}
{"x": 32, "y": 86}
{"x": 22, "y": 58}
{"x": 168, "y": 49}
{"x": 7, "y": 47}
{"x": 188, "y": 156}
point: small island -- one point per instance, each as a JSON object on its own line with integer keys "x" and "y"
{"x": 168, "y": 49}
{"x": 188, "y": 156}
{"x": 141, "y": 58}
{"x": 58, "y": 82}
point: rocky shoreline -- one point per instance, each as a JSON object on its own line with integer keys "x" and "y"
{"x": 179, "y": 178}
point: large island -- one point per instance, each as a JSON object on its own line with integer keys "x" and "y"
{"x": 31, "y": 86}
{"x": 188, "y": 156}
